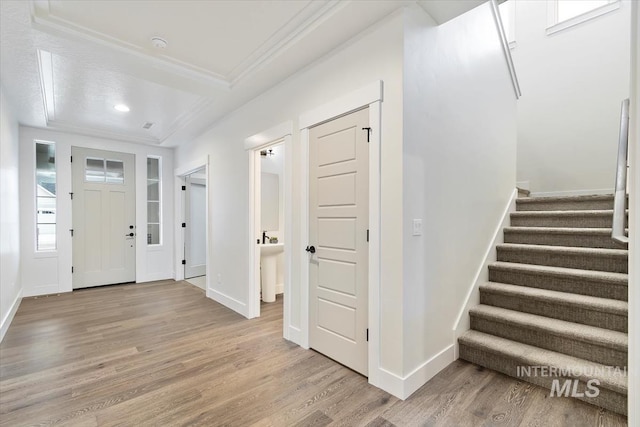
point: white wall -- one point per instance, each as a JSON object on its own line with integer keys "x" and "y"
{"x": 572, "y": 85}
{"x": 459, "y": 160}
{"x": 10, "y": 284}
{"x": 374, "y": 55}
{"x": 47, "y": 273}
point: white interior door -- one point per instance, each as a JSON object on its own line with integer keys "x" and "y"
{"x": 338, "y": 223}
{"x": 195, "y": 237}
{"x": 104, "y": 217}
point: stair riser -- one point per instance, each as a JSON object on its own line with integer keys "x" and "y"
{"x": 598, "y": 262}
{"x": 608, "y": 399}
{"x": 565, "y": 206}
{"x": 572, "y": 221}
{"x": 599, "y": 353}
{"x": 576, "y": 314}
{"x": 572, "y": 240}
{"x": 596, "y": 288}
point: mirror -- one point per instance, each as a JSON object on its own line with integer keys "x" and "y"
{"x": 270, "y": 195}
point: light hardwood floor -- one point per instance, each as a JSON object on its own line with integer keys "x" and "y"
{"x": 162, "y": 354}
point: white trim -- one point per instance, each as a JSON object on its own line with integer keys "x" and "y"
{"x": 482, "y": 275}
{"x": 269, "y": 136}
{"x": 369, "y": 96}
{"x": 227, "y": 301}
{"x": 598, "y": 191}
{"x": 353, "y": 101}
{"x": 8, "y": 318}
{"x": 553, "y": 26}
{"x": 404, "y": 387}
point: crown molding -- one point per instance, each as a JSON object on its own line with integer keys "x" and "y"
{"x": 61, "y": 126}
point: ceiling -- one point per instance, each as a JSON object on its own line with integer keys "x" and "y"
{"x": 64, "y": 64}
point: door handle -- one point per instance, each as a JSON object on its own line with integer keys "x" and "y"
{"x": 311, "y": 249}
{"x": 129, "y": 235}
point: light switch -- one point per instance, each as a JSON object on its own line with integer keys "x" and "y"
{"x": 417, "y": 227}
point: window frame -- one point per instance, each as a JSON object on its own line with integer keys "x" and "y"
{"x": 553, "y": 26}
{"x": 159, "y": 201}
{"x": 37, "y": 250}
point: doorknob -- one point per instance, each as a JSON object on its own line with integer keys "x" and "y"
{"x": 311, "y": 249}
{"x": 129, "y": 235}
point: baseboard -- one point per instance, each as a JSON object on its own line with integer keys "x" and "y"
{"x": 295, "y": 336}
{"x": 229, "y": 302}
{"x": 403, "y": 387}
{"x": 599, "y": 191}
{"x": 6, "y": 322}
{"x": 482, "y": 275}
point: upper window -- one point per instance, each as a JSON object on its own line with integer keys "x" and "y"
{"x": 154, "y": 200}
{"x": 567, "y": 13}
{"x": 101, "y": 170}
{"x": 45, "y": 196}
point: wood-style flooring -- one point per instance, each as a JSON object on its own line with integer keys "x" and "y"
{"x": 161, "y": 354}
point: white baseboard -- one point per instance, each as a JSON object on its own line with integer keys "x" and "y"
{"x": 403, "y": 387}
{"x": 598, "y": 191}
{"x": 229, "y": 302}
{"x": 6, "y": 321}
{"x": 482, "y": 275}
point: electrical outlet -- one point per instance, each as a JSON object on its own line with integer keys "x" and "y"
{"x": 417, "y": 227}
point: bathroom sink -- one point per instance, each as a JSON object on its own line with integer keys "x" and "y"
{"x": 271, "y": 249}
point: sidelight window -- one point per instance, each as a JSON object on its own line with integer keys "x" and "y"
{"x": 45, "y": 196}
{"x": 154, "y": 200}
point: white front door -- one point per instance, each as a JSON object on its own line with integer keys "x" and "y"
{"x": 104, "y": 218}
{"x": 338, "y": 232}
{"x": 195, "y": 237}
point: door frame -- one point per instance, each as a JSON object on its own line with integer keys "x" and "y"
{"x": 369, "y": 96}
{"x": 180, "y": 212}
{"x": 280, "y": 134}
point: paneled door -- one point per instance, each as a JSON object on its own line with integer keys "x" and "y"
{"x": 338, "y": 239}
{"x": 195, "y": 238}
{"x": 104, "y": 217}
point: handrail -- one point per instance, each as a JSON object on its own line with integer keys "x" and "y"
{"x": 620, "y": 196}
{"x": 505, "y": 47}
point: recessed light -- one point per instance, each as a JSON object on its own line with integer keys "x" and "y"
{"x": 122, "y": 108}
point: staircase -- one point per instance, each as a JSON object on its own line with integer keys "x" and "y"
{"x": 557, "y": 298}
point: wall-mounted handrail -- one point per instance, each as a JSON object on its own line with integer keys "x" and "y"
{"x": 505, "y": 47}
{"x": 620, "y": 196}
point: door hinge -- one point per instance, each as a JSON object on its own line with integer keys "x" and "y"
{"x": 71, "y": 231}
{"x": 184, "y": 225}
{"x": 71, "y": 269}
{"x": 367, "y": 334}
{"x": 71, "y": 159}
{"x": 184, "y": 262}
{"x": 71, "y": 194}
{"x": 367, "y": 235}
{"x": 368, "y": 133}
{"x": 184, "y": 188}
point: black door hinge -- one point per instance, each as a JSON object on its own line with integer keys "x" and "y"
{"x": 184, "y": 225}
{"x": 367, "y": 334}
{"x": 71, "y": 269}
{"x": 184, "y": 262}
{"x": 71, "y": 230}
{"x": 368, "y": 133}
{"x": 367, "y": 235}
{"x": 184, "y": 188}
{"x": 71, "y": 194}
{"x": 71, "y": 159}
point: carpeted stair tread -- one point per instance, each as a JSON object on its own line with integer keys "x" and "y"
{"x": 601, "y": 276}
{"x": 565, "y": 203}
{"x": 584, "y": 333}
{"x": 527, "y": 355}
{"x": 597, "y": 218}
{"x": 586, "y": 282}
{"x": 560, "y": 298}
{"x": 562, "y": 236}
